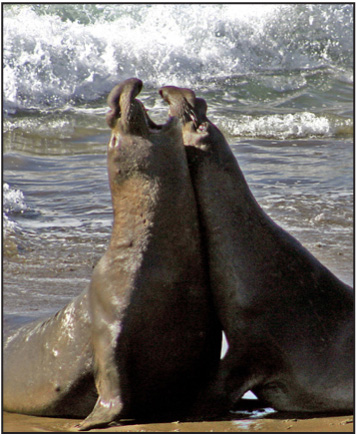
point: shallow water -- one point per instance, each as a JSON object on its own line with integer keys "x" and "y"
{"x": 58, "y": 210}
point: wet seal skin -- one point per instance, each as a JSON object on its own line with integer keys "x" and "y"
{"x": 287, "y": 318}
{"x": 155, "y": 335}
{"x": 48, "y": 365}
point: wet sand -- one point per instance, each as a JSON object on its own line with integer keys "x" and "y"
{"x": 280, "y": 423}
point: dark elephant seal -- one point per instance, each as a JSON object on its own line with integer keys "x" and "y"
{"x": 287, "y": 318}
{"x": 156, "y": 338}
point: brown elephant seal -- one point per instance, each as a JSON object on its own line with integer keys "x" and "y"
{"x": 48, "y": 365}
{"x": 155, "y": 335}
{"x": 147, "y": 319}
{"x": 287, "y": 318}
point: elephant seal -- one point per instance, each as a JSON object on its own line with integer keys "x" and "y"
{"x": 48, "y": 364}
{"x": 144, "y": 336}
{"x": 288, "y": 320}
{"x": 155, "y": 335}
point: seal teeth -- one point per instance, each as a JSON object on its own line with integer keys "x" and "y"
{"x": 193, "y": 117}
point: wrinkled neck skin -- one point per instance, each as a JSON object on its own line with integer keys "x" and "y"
{"x": 126, "y": 157}
{"x": 127, "y": 197}
{"x": 134, "y": 152}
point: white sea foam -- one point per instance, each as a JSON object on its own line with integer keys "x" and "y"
{"x": 13, "y": 203}
{"x": 13, "y": 200}
{"x": 283, "y": 126}
{"x": 55, "y": 127}
{"x": 54, "y": 54}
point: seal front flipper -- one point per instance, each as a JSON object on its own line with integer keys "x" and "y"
{"x": 214, "y": 402}
{"x": 101, "y": 416}
{"x": 104, "y": 412}
{"x": 105, "y": 332}
{"x": 237, "y": 374}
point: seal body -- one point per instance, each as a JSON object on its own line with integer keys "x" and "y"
{"x": 48, "y": 365}
{"x": 288, "y": 320}
{"x": 144, "y": 338}
{"x": 156, "y": 339}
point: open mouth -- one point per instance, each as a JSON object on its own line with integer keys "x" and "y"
{"x": 129, "y": 115}
{"x": 120, "y": 101}
{"x": 151, "y": 125}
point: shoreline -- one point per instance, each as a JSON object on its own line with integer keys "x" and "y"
{"x": 281, "y": 423}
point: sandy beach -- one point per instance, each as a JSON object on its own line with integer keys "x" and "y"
{"x": 280, "y": 423}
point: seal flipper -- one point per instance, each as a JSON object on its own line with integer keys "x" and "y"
{"x": 105, "y": 332}
{"x": 103, "y": 414}
{"x": 236, "y": 375}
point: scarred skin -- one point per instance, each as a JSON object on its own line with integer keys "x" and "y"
{"x": 144, "y": 336}
{"x": 287, "y": 318}
{"x": 155, "y": 336}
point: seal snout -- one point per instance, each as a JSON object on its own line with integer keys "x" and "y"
{"x": 184, "y": 105}
{"x": 181, "y": 102}
{"x": 127, "y": 114}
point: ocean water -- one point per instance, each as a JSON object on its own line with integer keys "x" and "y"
{"x": 278, "y": 80}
